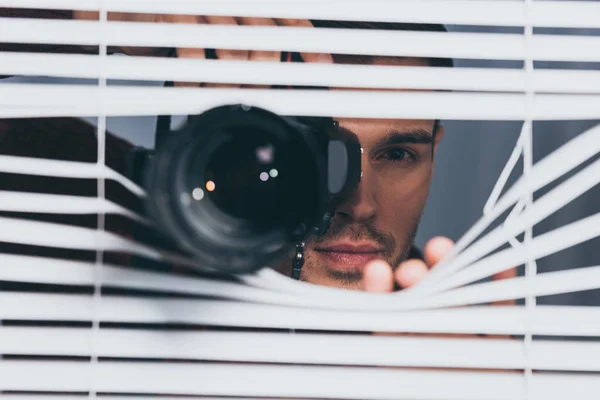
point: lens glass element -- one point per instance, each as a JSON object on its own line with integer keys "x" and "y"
{"x": 246, "y": 176}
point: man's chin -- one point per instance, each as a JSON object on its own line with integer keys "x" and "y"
{"x": 348, "y": 275}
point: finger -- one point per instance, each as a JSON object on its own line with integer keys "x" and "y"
{"x": 227, "y": 54}
{"x": 184, "y": 52}
{"x": 436, "y": 249}
{"x": 410, "y": 272}
{"x": 508, "y": 274}
{"x": 378, "y": 277}
{"x": 307, "y": 57}
{"x": 259, "y": 55}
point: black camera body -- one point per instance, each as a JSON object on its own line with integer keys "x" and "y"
{"x": 237, "y": 186}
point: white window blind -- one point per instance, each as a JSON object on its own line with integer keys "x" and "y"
{"x": 92, "y": 328}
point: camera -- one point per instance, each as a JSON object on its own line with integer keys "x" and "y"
{"x": 238, "y": 186}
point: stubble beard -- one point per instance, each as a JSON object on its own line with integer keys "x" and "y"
{"x": 314, "y": 268}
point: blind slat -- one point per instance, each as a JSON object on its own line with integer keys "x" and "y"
{"x": 546, "y": 284}
{"x": 38, "y": 233}
{"x": 18, "y": 268}
{"x": 60, "y": 204}
{"x": 315, "y": 40}
{"x": 278, "y": 381}
{"x": 330, "y": 349}
{"x": 545, "y": 320}
{"x": 542, "y": 245}
{"x": 552, "y": 167}
{"x": 261, "y": 380}
{"x": 30, "y": 100}
{"x": 63, "y": 169}
{"x": 15, "y": 268}
{"x": 269, "y": 73}
{"x": 575, "y": 14}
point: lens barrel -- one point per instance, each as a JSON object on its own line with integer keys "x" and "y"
{"x": 237, "y": 186}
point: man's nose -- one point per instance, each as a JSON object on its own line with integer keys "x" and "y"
{"x": 360, "y": 205}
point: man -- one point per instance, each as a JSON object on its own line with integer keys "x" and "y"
{"x": 370, "y": 243}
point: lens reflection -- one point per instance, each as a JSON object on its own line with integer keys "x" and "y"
{"x": 239, "y": 170}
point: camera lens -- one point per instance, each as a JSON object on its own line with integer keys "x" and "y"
{"x": 246, "y": 176}
{"x": 236, "y": 186}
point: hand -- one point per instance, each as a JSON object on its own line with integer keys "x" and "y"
{"x": 242, "y": 55}
{"x": 379, "y": 276}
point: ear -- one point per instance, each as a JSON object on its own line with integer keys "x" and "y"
{"x": 438, "y": 137}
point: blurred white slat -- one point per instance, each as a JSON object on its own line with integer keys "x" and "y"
{"x": 544, "y": 320}
{"x": 546, "y": 284}
{"x": 269, "y": 73}
{"x": 555, "y": 165}
{"x": 261, "y": 380}
{"x": 19, "y": 268}
{"x": 574, "y": 14}
{"x": 38, "y": 233}
{"x": 268, "y": 347}
{"x": 279, "y": 381}
{"x": 22, "y": 268}
{"x": 320, "y": 349}
{"x": 76, "y": 396}
{"x": 315, "y": 40}
{"x": 546, "y": 205}
{"x": 548, "y": 243}
{"x": 30, "y": 100}
{"x": 61, "y": 204}
{"x": 63, "y": 169}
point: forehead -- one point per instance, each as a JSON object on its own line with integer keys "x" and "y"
{"x": 373, "y": 130}
{"x": 367, "y": 129}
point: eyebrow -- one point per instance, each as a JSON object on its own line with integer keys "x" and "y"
{"x": 414, "y": 135}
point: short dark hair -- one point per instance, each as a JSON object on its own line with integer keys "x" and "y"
{"x": 391, "y": 26}
{"x": 395, "y": 26}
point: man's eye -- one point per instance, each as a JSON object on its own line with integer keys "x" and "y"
{"x": 398, "y": 154}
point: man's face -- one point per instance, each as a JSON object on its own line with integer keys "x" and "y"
{"x": 379, "y": 220}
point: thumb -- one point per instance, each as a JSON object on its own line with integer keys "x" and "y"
{"x": 436, "y": 249}
{"x": 378, "y": 277}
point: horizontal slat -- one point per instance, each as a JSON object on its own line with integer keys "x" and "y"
{"x": 77, "y": 396}
{"x": 574, "y": 14}
{"x": 299, "y": 348}
{"x": 261, "y": 380}
{"x": 552, "y": 167}
{"x": 316, "y": 40}
{"x": 269, "y": 73}
{"x": 63, "y": 169}
{"x": 545, "y": 284}
{"x": 29, "y": 100}
{"x": 22, "y": 268}
{"x": 301, "y": 381}
{"x": 266, "y": 347}
{"x": 19, "y": 268}
{"x": 49, "y": 234}
{"x": 61, "y": 204}
{"x": 544, "y": 320}
{"x": 24, "y": 100}
{"x": 548, "y": 243}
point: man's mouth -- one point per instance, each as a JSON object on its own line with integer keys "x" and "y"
{"x": 349, "y": 255}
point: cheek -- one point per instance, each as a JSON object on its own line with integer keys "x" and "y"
{"x": 402, "y": 200}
